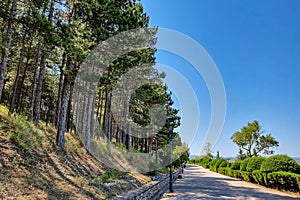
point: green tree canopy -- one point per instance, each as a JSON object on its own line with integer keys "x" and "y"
{"x": 252, "y": 142}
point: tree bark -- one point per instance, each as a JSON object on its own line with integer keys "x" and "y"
{"x": 109, "y": 119}
{"x": 61, "y": 79}
{"x": 88, "y": 122}
{"x": 37, "y": 104}
{"x": 60, "y": 138}
{"x": 69, "y": 117}
{"x": 15, "y": 86}
{"x": 20, "y": 101}
{"x": 105, "y": 112}
{"x": 33, "y": 86}
{"x": 9, "y": 33}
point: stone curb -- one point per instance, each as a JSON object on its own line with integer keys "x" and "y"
{"x": 151, "y": 191}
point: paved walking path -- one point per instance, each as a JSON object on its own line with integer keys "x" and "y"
{"x": 200, "y": 183}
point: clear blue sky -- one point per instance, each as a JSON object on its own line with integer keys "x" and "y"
{"x": 256, "y": 47}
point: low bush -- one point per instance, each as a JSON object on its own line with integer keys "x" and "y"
{"x": 249, "y": 170}
{"x": 212, "y": 165}
{"x": 260, "y": 177}
{"x": 284, "y": 181}
{"x": 228, "y": 171}
{"x": 244, "y": 164}
{"x": 108, "y": 176}
{"x": 236, "y": 165}
{"x": 222, "y": 170}
{"x": 247, "y": 176}
{"x": 215, "y": 164}
{"x": 280, "y": 163}
{"x": 237, "y": 174}
{"x": 254, "y": 163}
{"x": 24, "y": 134}
{"x": 204, "y": 161}
{"x": 229, "y": 164}
{"x": 223, "y": 163}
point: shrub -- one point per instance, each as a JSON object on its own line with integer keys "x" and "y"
{"x": 254, "y": 163}
{"x": 244, "y": 164}
{"x": 222, "y": 170}
{"x": 247, "y": 176}
{"x": 259, "y": 177}
{"x": 212, "y": 164}
{"x": 237, "y": 174}
{"x": 204, "y": 162}
{"x": 24, "y": 134}
{"x": 223, "y": 163}
{"x": 228, "y": 171}
{"x": 280, "y": 163}
{"x": 215, "y": 164}
{"x": 284, "y": 180}
{"x": 236, "y": 165}
{"x": 108, "y": 176}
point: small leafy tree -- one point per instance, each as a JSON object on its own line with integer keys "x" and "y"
{"x": 208, "y": 150}
{"x": 252, "y": 142}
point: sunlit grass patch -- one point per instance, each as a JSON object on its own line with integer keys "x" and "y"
{"x": 20, "y": 131}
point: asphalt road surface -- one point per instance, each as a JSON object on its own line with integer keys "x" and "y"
{"x": 200, "y": 183}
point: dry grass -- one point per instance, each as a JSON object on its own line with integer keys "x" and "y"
{"x": 39, "y": 170}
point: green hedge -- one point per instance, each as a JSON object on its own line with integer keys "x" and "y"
{"x": 215, "y": 164}
{"x": 280, "y": 163}
{"x": 228, "y": 171}
{"x": 250, "y": 170}
{"x": 222, "y": 170}
{"x": 255, "y": 163}
{"x": 247, "y": 176}
{"x": 244, "y": 164}
{"x": 284, "y": 180}
{"x": 236, "y": 165}
{"x": 260, "y": 177}
{"x": 223, "y": 163}
{"x": 237, "y": 174}
{"x": 202, "y": 161}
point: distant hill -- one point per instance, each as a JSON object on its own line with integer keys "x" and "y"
{"x": 192, "y": 156}
{"x": 297, "y": 159}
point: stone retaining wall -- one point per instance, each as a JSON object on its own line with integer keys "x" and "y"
{"x": 153, "y": 190}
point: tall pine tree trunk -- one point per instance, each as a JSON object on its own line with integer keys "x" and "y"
{"x": 88, "y": 122}
{"x": 93, "y": 116}
{"x": 105, "y": 112}
{"x": 20, "y": 100}
{"x": 37, "y": 104}
{"x": 17, "y": 77}
{"x": 109, "y": 119}
{"x": 84, "y": 113}
{"x": 61, "y": 79}
{"x": 78, "y": 111}
{"x": 9, "y": 33}
{"x": 150, "y": 144}
{"x": 99, "y": 104}
{"x": 33, "y": 86}
{"x": 60, "y": 138}
{"x": 69, "y": 117}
